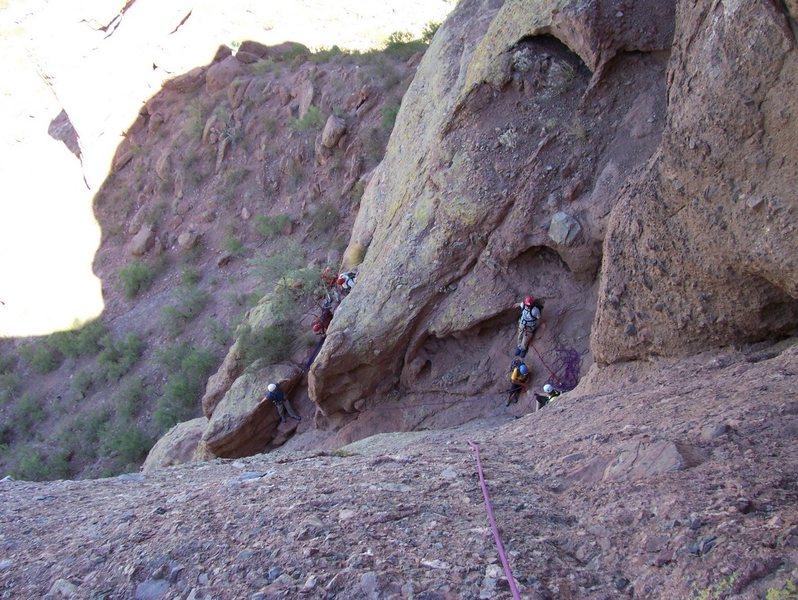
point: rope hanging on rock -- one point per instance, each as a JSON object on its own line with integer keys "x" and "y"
{"x": 489, "y": 508}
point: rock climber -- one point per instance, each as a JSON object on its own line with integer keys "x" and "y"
{"x": 277, "y": 397}
{"x": 527, "y": 323}
{"x": 322, "y": 322}
{"x": 549, "y": 394}
{"x": 519, "y": 377}
{"x": 346, "y": 281}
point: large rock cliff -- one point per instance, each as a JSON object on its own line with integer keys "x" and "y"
{"x": 522, "y": 117}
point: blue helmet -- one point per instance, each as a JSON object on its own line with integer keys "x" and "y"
{"x": 522, "y": 369}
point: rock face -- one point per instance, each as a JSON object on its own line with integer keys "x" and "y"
{"x": 506, "y": 113}
{"x": 244, "y": 422}
{"x": 712, "y": 220}
{"x": 177, "y": 446}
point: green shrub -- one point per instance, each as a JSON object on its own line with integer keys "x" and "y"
{"x": 270, "y": 227}
{"x": 312, "y": 119}
{"x": 135, "y": 277}
{"x": 270, "y": 268}
{"x": 126, "y": 444}
{"x": 389, "y": 112}
{"x": 271, "y": 343}
{"x": 118, "y": 357}
{"x": 429, "y": 31}
{"x": 357, "y": 191}
{"x": 9, "y": 387}
{"x": 401, "y": 45}
{"x": 232, "y": 245}
{"x": 788, "y": 592}
{"x": 190, "y": 302}
{"x": 190, "y": 276}
{"x": 80, "y": 439}
{"x": 324, "y": 217}
{"x": 41, "y": 357}
{"x": 129, "y": 398}
{"x": 8, "y": 363}
{"x": 36, "y": 464}
{"x": 323, "y": 55}
{"x": 188, "y": 370}
{"x": 26, "y": 413}
{"x": 81, "y": 384}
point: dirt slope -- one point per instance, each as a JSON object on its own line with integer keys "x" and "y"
{"x": 675, "y": 477}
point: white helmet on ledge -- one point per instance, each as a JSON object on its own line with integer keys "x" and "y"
{"x": 272, "y": 387}
{"x": 548, "y": 388}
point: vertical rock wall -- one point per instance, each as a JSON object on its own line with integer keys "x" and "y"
{"x": 702, "y": 250}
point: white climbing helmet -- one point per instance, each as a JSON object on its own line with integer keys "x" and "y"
{"x": 272, "y": 387}
{"x": 548, "y": 389}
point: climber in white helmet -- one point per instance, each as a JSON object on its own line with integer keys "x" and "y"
{"x": 277, "y": 397}
{"x": 549, "y": 394}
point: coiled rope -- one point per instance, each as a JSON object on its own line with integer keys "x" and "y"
{"x": 489, "y": 508}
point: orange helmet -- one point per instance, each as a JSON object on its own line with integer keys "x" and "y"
{"x": 528, "y": 301}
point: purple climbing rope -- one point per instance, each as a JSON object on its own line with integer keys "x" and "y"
{"x": 568, "y": 365}
{"x": 499, "y": 547}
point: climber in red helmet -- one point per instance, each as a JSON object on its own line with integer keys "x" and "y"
{"x": 322, "y": 322}
{"x": 527, "y": 323}
{"x": 346, "y": 281}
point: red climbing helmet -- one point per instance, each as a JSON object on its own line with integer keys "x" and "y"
{"x": 316, "y": 327}
{"x": 528, "y": 301}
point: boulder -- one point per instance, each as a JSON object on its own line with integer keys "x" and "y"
{"x": 142, "y": 241}
{"x": 333, "y": 130}
{"x": 188, "y": 82}
{"x": 219, "y": 383}
{"x": 244, "y": 422}
{"x": 303, "y": 92}
{"x": 254, "y": 48}
{"x": 222, "y": 74}
{"x": 564, "y": 229}
{"x": 178, "y": 446}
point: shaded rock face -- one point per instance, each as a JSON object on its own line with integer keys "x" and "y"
{"x": 701, "y": 250}
{"x": 244, "y": 422}
{"x": 178, "y": 446}
{"x": 512, "y": 125}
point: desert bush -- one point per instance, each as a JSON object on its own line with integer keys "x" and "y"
{"x": 127, "y": 444}
{"x": 9, "y": 387}
{"x": 81, "y": 384}
{"x": 190, "y": 302}
{"x": 788, "y": 592}
{"x": 232, "y": 245}
{"x": 357, "y": 191}
{"x": 41, "y": 357}
{"x": 389, "y": 112}
{"x": 187, "y": 371}
{"x": 401, "y": 45}
{"x": 324, "y": 217}
{"x": 8, "y": 362}
{"x": 81, "y": 437}
{"x": 135, "y": 277}
{"x": 118, "y": 357}
{"x": 312, "y": 119}
{"x": 271, "y": 343}
{"x": 26, "y": 413}
{"x": 270, "y": 268}
{"x": 190, "y": 276}
{"x": 37, "y": 464}
{"x": 128, "y": 399}
{"x": 429, "y": 31}
{"x": 270, "y": 227}
{"x": 195, "y": 124}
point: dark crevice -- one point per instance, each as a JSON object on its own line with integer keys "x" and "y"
{"x": 790, "y": 19}
{"x": 117, "y": 20}
{"x": 182, "y": 22}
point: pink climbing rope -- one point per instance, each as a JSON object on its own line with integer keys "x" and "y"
{"x": 499, "y": 547}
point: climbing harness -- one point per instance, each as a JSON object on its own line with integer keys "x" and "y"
{"x": 492, "y": 519}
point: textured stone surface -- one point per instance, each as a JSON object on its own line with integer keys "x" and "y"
{"x": 711, "y": 265}
{"x": 401, "y": 515}
{"x": 485, "y": 150}
{"x": 177, "y": 446}
{"x": 243, "y": 422}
